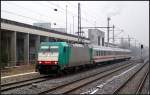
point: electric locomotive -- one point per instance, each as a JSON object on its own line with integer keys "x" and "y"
{"x": 57, "y": 56}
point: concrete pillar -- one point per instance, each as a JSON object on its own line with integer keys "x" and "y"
{"x": 13, "y": 49}
{"x": 26, "y": 49}
{"x": 37, "y": 44}
{"x": 56, "y": 39}
{"x": 47, "y": 39}
{"x": 0, "y": 48}
{"x": 100, "y": 41}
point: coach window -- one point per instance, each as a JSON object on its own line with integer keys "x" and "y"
{"x": 96, "y": 53}
{"x": 98, "y": 40}
{"x": 100, "y": 53}
{"x": 103, "y": 41}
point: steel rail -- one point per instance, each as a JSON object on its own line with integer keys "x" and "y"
{"x": 119, "y": 88}
{"x": 13, "y": 85}
{"x": 140, "y": 87}
{"x": 18, "y": 84}
{"x": 94, "y": 76}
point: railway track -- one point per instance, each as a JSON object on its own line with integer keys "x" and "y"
{"x": 140, "y": 86}
{"x": 142, "y": 83}
{"x": 13, "y": 85}
{"x": 73, "y": 85}
{"x": 10, "y": 86}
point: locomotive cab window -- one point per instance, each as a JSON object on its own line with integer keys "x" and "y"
{"x": 44, "y": 49}
{"x": 53, "y": 49}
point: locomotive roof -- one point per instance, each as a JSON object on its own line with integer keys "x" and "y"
{"x": 55, "y": 43}
{"x": 103, "y": 48}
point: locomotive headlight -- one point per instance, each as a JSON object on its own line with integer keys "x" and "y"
{"x": 40, "y": 62}
{"x": 55, "y": 62}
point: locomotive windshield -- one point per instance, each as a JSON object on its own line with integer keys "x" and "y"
{"x": 44, "y": 49}
{"x": 48, "y": 53}
{"x": 52, "y": 49}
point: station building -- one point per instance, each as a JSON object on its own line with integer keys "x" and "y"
{"x": 20, "y": 42}
{"x": 96, "y": 37}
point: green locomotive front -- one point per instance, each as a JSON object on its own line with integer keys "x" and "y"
{"x": 56, "y": 56}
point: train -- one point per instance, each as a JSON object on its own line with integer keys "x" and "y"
{"x": 59, "y": 56}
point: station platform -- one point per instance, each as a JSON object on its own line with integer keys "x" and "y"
{"x": 17, "y": 70}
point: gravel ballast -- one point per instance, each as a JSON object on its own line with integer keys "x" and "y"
{"x": 92, "y": 86}
{"x": 111, "y": 84}
{"x": 38, "y": 87}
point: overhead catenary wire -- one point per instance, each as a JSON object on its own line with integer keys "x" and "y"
{"x": 47, "y": 17}
{"x": 69, "y": 11}
{"x": 83, "y": 11}
{"x": 30, "y": 10}
{"x": 12, "y": 13}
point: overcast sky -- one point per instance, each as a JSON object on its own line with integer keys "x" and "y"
{"x": 131, "y": 16}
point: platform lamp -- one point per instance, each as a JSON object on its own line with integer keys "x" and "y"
{"x": 55, "y": 9}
